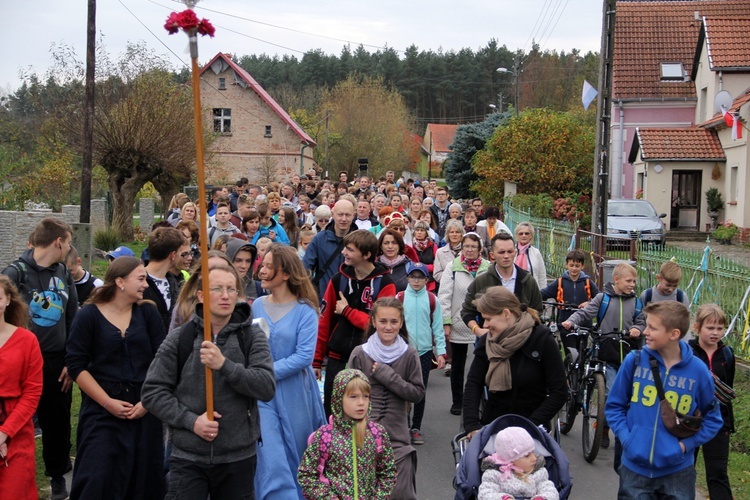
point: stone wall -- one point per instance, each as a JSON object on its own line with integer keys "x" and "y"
{"x": 15, "y": 228}
{"x": 146, "y": 207}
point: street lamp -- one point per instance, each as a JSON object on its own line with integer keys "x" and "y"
{"x": 516, "y": 72}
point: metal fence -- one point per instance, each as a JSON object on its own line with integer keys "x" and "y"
{"x": 706, "y": 277}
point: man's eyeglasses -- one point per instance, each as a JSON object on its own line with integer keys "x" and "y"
{"x": 523, "y": 234}
{"x": 218, "y": 290}
{"x": 185, "y": 255}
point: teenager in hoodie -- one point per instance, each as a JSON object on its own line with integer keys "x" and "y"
{"x": 619, "y": 315}
{"x": 655, "y": 463}
{"x": 350, "y": 457}
{"x": 46, "y": 285}
{"x": 346, "y": 307}
{"x": 243, "y": 255}
{"x": 217, "y": 456}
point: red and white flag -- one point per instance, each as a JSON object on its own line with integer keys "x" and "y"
{"x": 733, "y": 121}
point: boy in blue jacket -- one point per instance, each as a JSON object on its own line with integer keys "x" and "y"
{"x": 424, "y": 322}
{"x": 573, "y": 287}
{"x": 654, "y": 462}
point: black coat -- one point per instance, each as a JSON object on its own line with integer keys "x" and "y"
{"x": 539, "y": 386}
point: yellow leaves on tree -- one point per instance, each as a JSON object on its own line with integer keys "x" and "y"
{"x": 369, "y": 120}
{"x": 542, "y": 151}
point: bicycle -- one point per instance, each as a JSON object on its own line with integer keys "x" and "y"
{"x": 586, "y": 386}
{"x": 551, "y": 318}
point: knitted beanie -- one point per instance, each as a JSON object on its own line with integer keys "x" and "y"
{"x": 513, "y": 443}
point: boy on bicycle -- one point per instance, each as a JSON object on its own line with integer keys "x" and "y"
{"x": 616, "y": 309}
{"x": 656, "y": 463}
{"x": 574, "y": 287}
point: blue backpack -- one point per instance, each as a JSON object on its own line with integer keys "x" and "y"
{"x": 605, "y": 305}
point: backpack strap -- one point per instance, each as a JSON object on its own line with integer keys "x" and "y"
{"x": 326, "y": 432}
{"x": 211, "y": 234}
{"x": 638, "y": 307}
{"x": 20, "y": 267}
{"x": 648, "y": 295}
{"x": 603, "y": 306}
{"x": 680, "y": 296}
{"x": 185, "y": 341}
{"x": 431, "y": 297}
{"x": 587, "y": 287}
{"x": 376, "y": 434}
{"x": 560, "y": 298}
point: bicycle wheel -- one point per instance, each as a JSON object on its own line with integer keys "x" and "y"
{"x": 593, "y": 415}
{"x": 568, "y": 412}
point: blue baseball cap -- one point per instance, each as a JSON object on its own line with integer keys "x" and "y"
{"x": 417, "y": 266}
{"x": 120, "y": 252}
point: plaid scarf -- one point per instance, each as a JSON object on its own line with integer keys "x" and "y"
{"x": 471, "y": 265}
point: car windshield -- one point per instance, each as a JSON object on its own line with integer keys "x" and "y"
{"x": 631, "y": 210}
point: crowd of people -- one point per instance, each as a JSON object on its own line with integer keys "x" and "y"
{"x": 367, "y": 285}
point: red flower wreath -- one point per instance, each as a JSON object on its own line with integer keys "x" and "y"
{"x": 188, "y": 21}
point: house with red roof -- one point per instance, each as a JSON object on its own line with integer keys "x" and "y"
{"x": 675, "y": 166}
{"x": 662, "y": 79}
{"x": 436, "y": 143}
{"x": 256, "y": 137}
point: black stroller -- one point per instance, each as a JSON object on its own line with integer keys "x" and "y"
{"x": 468, "y": 456}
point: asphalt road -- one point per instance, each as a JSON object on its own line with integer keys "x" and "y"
{"x": 436, "y": 468}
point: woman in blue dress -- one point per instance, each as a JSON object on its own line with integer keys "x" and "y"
{"x": 112, "y": 342}
{"x": 297, "y": 409}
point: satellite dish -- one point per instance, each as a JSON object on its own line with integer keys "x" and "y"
{"x": 723, "y": 100}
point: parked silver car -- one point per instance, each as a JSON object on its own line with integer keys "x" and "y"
{"x": 631, "y": 218}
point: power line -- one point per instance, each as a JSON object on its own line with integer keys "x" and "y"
{"x": 153, "y": 34}
{"x": 541, "y": 16}
{"x": 294, "y": 30}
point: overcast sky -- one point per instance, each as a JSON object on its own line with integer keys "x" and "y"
{"x": 32, "y": 26}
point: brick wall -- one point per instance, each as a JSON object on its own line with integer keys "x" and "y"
{"x": 247, "y": 150}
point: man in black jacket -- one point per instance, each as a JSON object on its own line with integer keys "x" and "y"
{"x": 505, "y": 273}
{"x": 164, "y": 245}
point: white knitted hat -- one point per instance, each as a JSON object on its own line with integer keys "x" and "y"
{"x": 513, "y": 443}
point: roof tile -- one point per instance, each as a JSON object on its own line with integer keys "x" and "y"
{"x": 648, "y": 33}
{"x": 679, "y": 144}
{"x": 728, "y": 43}
{"x": 442, "y": 136}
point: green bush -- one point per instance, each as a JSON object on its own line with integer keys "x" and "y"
{"x": 107, "y": 239}
{"x": 538, "y": 205}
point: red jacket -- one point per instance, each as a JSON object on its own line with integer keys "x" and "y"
{"x": 339, "y": 334}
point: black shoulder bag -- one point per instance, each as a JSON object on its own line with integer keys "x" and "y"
{"x": 678, "y": 424}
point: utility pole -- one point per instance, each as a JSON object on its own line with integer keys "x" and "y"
{"x": 517, "y": 74}
{"x": 326, "y": 175}
{"x": 88, "y": 118}
{"x": 603, "y": 118}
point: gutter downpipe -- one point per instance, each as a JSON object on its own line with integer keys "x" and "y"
{"x": 302, "y": 159}
{"x": 616, "y": 185}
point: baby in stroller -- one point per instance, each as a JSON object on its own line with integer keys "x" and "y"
{"x": 514, "y": 470}
{"x": 470, "y": 459}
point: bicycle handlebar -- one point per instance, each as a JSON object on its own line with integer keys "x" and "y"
{"x": 561, "y": 305}
{"x": 583, "y": 331}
